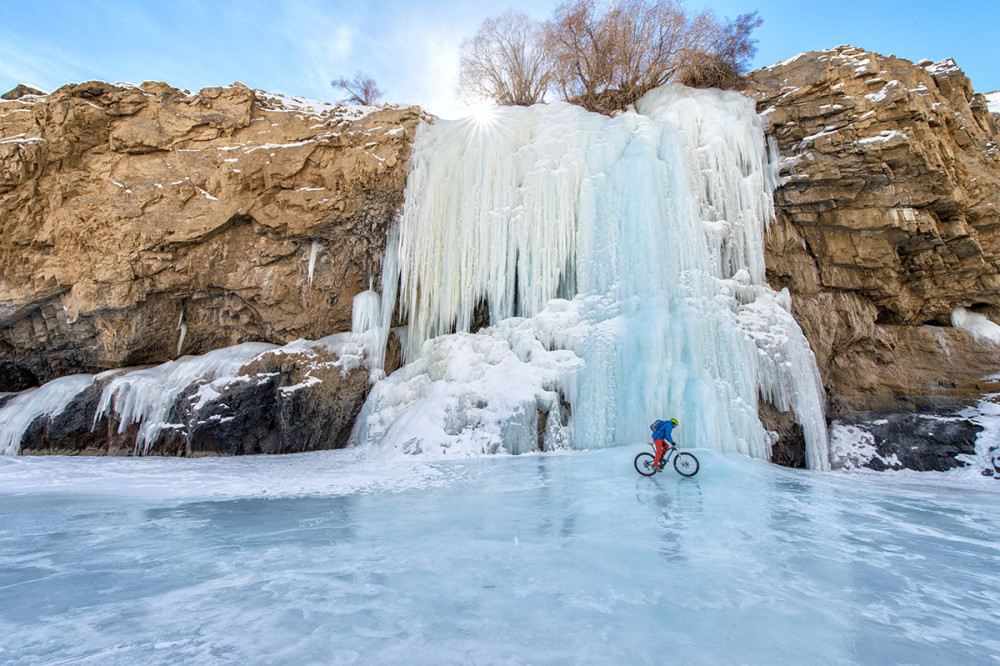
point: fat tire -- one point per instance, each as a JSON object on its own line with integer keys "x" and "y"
{"x": 644, "y": 464}
{"x": 686, "y": 464}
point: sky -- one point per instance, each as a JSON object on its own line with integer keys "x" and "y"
{"x": 410, "y": 48}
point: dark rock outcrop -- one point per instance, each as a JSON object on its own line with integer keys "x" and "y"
{"x": 934, "y": 438}
{"x": 301, "y": 397}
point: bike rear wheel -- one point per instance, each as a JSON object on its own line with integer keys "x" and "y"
{"x": 644, "y": 464}
{"x": 685, "y": 463}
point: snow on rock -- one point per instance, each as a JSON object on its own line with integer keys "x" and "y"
{"x": 993, "y": 101}
{"x": 946, "y": 66}
{"x": 145, "y": 396}
{"x": 884, "y": 139}
{"x": 47, "y": 400}
{"x": 311, "y": 107}
{"x": 185, "y": 394}
{"x": 961, "y": 442}
{"x": 987, "y": 415}
{"x": 853, "y": 447}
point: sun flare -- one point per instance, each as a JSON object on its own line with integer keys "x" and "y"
{"x": 482, "y": 114}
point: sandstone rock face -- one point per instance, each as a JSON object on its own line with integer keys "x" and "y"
{"x": 141, "y": 223}
{"x": 888, "y": 219}
{"x": 21, "y": 90}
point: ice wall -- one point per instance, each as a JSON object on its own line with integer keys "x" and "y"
{"x": 634, "y": 242}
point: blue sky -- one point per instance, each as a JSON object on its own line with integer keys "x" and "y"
{"x": 411, "y": 48}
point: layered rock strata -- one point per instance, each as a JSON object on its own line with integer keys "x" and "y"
{"x": 143, "y": 223}
{"x": 888, "y": 218}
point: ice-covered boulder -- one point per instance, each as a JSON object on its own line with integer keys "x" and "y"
{"x": 250, "y": 398}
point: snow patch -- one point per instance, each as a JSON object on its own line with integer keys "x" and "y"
{"x": 853, "y": 447}
{"x": 993, "y": 101}
{"x": 884, "y": 137}
{"x": 947, "y": 66}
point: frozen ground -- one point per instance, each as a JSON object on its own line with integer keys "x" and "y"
{"x": 329, "y": 558}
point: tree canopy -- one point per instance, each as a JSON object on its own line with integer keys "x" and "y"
{"x": 360, "y": 90}
{"x": 604, "y": 55}
{"x": 508, "y": 61}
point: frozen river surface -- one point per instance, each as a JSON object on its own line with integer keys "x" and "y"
{"x": 327, "y": 558}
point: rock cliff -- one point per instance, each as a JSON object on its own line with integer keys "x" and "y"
{"x": 142, "y": 223}
{"x": 888, "y": 220}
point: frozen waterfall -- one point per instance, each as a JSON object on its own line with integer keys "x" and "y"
{"x": 621, "y": 261}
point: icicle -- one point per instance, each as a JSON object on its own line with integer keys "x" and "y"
{"x": 182, "y": 327}
{"x": 366, "y": 312}
{"x": 390, "y": 284}
{"x": 313, "y": 251}
{"x": 366, "y": 317}
{"x": 146, "y": 396}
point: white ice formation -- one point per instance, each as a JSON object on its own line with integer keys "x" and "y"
{"x": 313, "y": 253}
{"x": 622, "y": 264}
{"x": 145, "y": 396}
{"x": 49, "y": 400}
{"x": 976, "y": 324}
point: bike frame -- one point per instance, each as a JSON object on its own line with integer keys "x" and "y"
{"x": 670, "y": 453}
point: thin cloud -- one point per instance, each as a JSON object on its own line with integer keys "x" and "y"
{"x": 20, "y": 63}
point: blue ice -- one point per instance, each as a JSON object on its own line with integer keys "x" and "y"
{"x": 332, "y": 558}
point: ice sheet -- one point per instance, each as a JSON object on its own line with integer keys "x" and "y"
{"x": 561, "y": 558}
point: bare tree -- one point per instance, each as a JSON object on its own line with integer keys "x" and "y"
{"x": 726, "y": 58}
{"x": 611, "y": 55}
{"x": 361, "y": 89}
{"x": 507, "y": 61}
{"x": 604, "y": 55}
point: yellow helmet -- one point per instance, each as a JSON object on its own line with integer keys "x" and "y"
{"x": 675, "y": 422}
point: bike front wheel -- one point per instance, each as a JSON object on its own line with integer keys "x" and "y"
{"x": 685, "y": 463}
{"x": 644, "y": 464}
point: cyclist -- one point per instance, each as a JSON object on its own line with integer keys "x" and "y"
{"x": 661, "y": 435}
